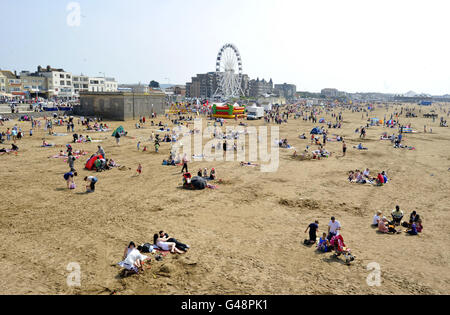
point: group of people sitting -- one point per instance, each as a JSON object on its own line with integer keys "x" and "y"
{"x": 133, "y": 260}
{"x": 172, "y": 161}
{"x": 365, "y": 178}
{"x": 199, "y": 182}
{"x": 97, "y": 127}
{"x": 80, "y": 138}
{"x": 321, "y": 152}
{"x": 104, "y": 164}
{"x": 413, "y": 226}
{"x": 204, "y": 173}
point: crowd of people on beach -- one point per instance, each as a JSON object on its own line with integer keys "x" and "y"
{"x": 134, "y": 259}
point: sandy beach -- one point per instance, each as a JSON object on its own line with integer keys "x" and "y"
{"x": 247, "y": 235}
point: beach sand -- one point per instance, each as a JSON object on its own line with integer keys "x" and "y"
{"x": 246, "y": 237}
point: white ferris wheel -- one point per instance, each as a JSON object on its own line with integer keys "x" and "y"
{"x": 229, "y": 72}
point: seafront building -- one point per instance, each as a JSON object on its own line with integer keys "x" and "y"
{"x": 51, "y": 82}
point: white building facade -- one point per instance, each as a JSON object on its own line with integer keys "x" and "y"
{"x": 60, "y": 83}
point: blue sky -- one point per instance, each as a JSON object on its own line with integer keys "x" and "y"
{"x": 385, "y": 46}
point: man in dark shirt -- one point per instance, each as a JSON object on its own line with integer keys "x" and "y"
{"x": 414, "y": 217}
{"x": 313, "y": 227}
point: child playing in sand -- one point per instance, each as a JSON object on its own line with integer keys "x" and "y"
{"x": 91, "y": 181}
{"x": 138, "y": 145}
{"x": 69, "y": 179}
{"x": 323, "y": 244}
{"x": 205, "y": 172}
{"x": 139, "y": 169}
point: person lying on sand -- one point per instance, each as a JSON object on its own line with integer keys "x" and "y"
{"x": 360, "y": 147}
{"x": 248, "y": 164}
{"x": 164, "y": 244}
{"x": 46, "y": 144}
{"x": 179, "y": 245}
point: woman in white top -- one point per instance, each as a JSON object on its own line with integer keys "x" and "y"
{"x": 376, "y": 219}
{"x": 163, "y": 244}
{"x": 366, "y": 173}
{"x": 132, "y": 259}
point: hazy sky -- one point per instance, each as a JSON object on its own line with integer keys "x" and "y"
{"x": 362, "y": 45}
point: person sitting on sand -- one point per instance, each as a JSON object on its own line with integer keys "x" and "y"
{"x": 384, "y": 226}
{"x": 199, "y": 173}
{"x": 164, "y": 244}
{"x": 397, "y": 215}
{"x": 413, "y": 229}
{"x": 323, "y": 245}
{"x": 366, "y": 173}
{"x": 376, "y": 219}
{"x": 351, "y": 176}
{"x": 380, "y": 180}
{"x": 359, "y": 178}
{"x": 205, "y": 173}
{"x": 419, "y": 226}
{"x": 384, "y": 176}
{"x": 133, "y": 260}
{"x": 212, "y": 174}
{"x": 112, "y": 163}
{"x": 414, "y": 217}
